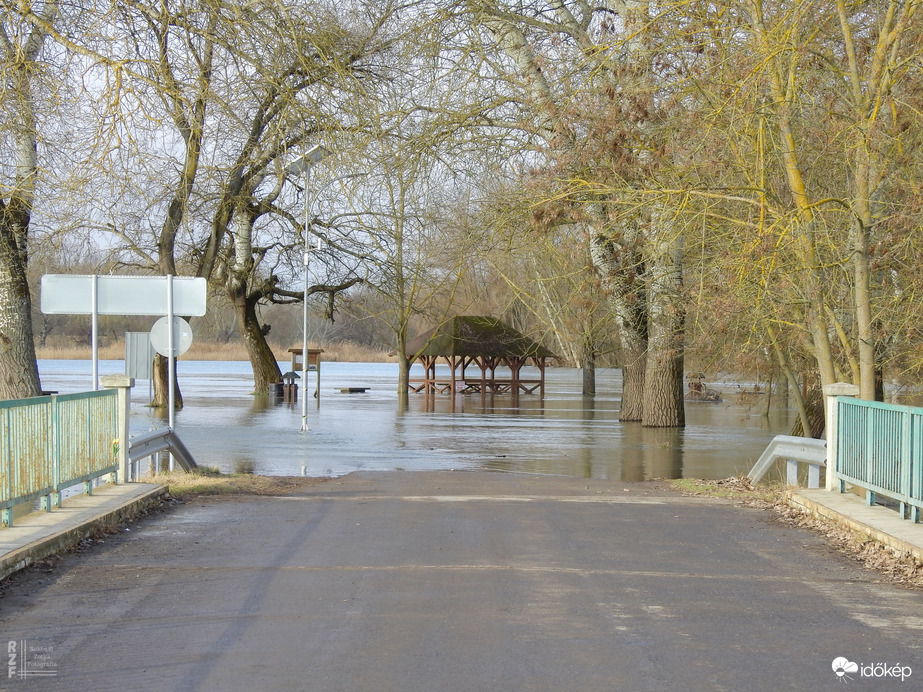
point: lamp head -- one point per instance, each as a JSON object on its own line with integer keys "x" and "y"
{"x": 315, "y": 154}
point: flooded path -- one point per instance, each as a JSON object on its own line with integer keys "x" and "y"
{"x": 565, "y": 434}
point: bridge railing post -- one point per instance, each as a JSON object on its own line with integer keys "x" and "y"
{"x": 831, "y": 392}
{"x": 123, "y": 384}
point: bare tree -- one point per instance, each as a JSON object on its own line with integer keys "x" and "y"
{"x": 409, "y": 258}
{"x": 290, "y": 101}
{"x": 22, "y": 39}
{"x": 210, "y": 107}
{"x": 583, "y": 85}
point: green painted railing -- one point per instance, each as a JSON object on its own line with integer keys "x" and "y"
{"x": 51, "y": 443}
{"x": 880, "y": 448}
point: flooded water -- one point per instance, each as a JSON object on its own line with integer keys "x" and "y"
{"x": 225, "y": 426}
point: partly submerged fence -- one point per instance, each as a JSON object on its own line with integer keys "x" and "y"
{"x": 879, "y": 447}
{"x": 50, "y": 443}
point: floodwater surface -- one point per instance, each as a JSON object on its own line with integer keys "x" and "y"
{"x": 567, "y": 434}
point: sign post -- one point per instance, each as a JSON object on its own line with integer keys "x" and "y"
{"x": 66, "y": 294}
{"x": 171, "y": 336}
{"x": 94, "y": 329}
{"x": 171, "y": 363}
{"x": 73, "y": 294}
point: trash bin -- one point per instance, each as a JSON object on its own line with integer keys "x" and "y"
{"x": 290, "y": 387}
{"x": 276, "y": 391}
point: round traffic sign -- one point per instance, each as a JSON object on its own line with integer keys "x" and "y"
{"x": 182, "y": 336}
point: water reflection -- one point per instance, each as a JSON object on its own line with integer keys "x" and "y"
{"x": 651, "y": 452}
{"x": 225, "y": 426}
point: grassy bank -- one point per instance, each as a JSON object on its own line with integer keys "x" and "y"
{"x": 208, "y": 482}
{"x": 737, "y": 489}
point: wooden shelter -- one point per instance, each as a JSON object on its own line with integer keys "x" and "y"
{"x": 484, "y": 343}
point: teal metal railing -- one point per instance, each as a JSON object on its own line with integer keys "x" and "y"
{"x": 880, "y": 449}
{"x": 50, "y": 443}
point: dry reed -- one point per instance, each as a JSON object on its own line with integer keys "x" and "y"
{"x": 206, "y": 350}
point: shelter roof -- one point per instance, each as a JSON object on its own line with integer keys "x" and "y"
{"x": 474, "y": 336}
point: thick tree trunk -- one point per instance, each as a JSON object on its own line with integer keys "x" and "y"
{"x": 403, "y": 379}
{"x": 663, "y": 389}
{"x": 634, "y": 365}
{"x": 589, "y": 370}
{"x": 161, "y": 379}
{"x": 621, "y": 269}
{"x": 263, "y": 361}
{"x": 664, "y": 405}
{"x": 645, "y": 291}
{"x": 18, "y": 369}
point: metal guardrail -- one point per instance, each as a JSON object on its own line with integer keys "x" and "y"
{"x": 50, "y": 443}
{"x": 162, "y": 440}
{"x": 880, "y": 449}
{"x": 793, "y": 449}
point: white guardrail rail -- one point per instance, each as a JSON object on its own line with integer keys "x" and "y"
{"x": 162, "y": 440}
{"x": 794, "y": 450}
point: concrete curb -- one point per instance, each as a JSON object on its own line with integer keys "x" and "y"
{"x": 878, "y": 523}
{"x": 68, "y": 537}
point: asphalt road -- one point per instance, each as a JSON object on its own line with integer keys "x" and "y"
{"x": 459, "y": 581}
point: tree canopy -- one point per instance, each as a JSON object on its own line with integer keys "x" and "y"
{"x": 731, "y": 184}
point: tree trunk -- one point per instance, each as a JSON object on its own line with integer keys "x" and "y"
{"x": 621, "y": 270}
{"x": 161, "y": 379}
{"x": 664, "y": 405}
{"x": 18, "y": 368}
{"x": 663, "y": 390}
{"x": 403, "y": 379}
{"x": 589, "y": 370}
{"x": 792, "y": 383}
{"x": 814, "y": 408}
{"x": 404, "y": 363}
{"x": 263, "y": 361}
{"x": 880, "y": 349}
{"x": 633, "y": 370}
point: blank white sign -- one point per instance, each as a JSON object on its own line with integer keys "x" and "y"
{"x": 72, "y": 294}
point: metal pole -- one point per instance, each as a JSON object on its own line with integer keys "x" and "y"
{"x": 94, "y": 329}
{"x": 304, "y": 165}
{"x": 304, "y": 317}
{"x": 171, "y": 365}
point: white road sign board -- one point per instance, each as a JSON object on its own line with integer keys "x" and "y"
{"x": 75, "y": 294}
{"x": 72, "y": 294}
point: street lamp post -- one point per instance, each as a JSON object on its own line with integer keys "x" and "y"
{"x": 303, "y": 165}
